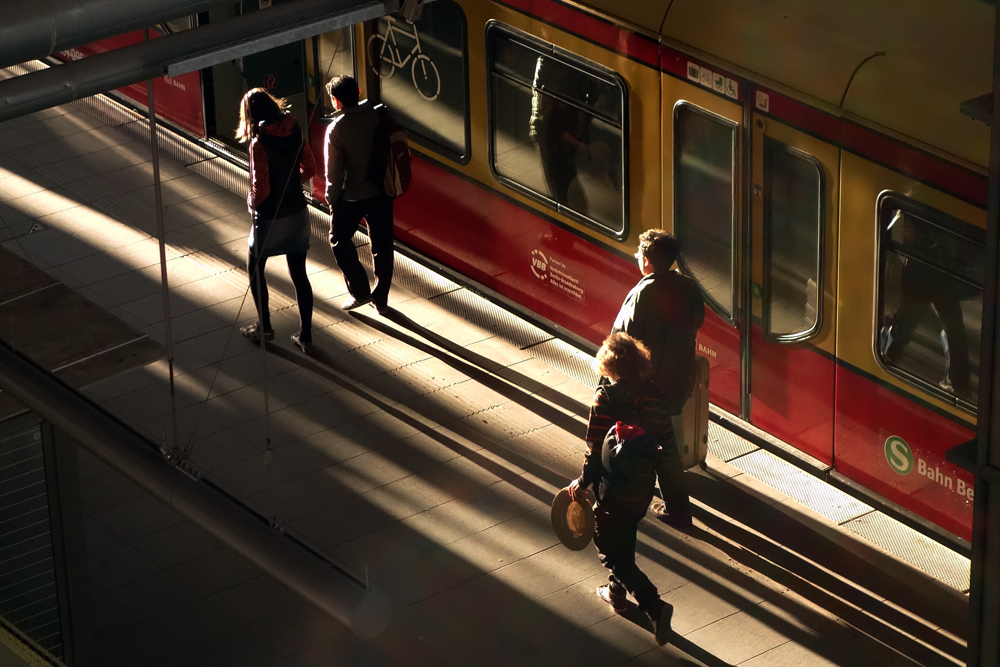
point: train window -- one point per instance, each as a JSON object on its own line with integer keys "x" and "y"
{"x": 423, "y": 71}
{"x": 793, "y": 242}
{"x": 705, "y": 202}
{"x": 557, "y": 128}
{"x": 930, "y": 296}
{"x": 330, "y": 54}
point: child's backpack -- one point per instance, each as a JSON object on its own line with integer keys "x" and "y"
{"x": 389, "y": 167}
{"x": 629, "y": 453}
{"x": 629, "y": 458}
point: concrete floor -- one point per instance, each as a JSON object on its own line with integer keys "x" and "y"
{"x": 421, "y": 449}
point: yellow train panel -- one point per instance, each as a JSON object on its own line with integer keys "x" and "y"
{"x": 862, "y": 182}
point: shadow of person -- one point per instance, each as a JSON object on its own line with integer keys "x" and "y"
{"x": 489, "y": 372}
{"x": 700, "y": 656}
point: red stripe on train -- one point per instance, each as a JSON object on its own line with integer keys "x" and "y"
{"x": 510, "y": 249}
{"x": 810, "y": 119}
{"x": 927, "y": 168}
{"x": 869, "y": 415}
{"x": 590, "y": 27}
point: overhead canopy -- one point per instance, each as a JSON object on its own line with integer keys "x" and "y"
{"x": 180, "y": 52}
{"x": 33, "y": 29}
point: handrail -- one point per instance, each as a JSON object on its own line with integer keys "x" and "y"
{"x": 316, "y": 578}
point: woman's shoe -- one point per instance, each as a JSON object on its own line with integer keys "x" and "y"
{"x": 305, "y": 345}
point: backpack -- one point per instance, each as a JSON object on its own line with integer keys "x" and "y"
{"x": 629, "y": 457}
{"x": 389, "y": 166}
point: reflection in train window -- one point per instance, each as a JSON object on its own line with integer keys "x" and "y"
{"x": 423, "y": 70}
{"x": 930, "y": 296}
{"x": 705, "y": 202}
{"x": 329, "y": 55}
{"x": 556, "y": 128}
{"x": 793, "y": 242}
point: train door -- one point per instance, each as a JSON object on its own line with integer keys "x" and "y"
{"x": 793, "y": 239}
{"x": 281, "y": 70}
{"x": 702, "y": 195}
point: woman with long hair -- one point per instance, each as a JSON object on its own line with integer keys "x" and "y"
{"x": 280, "y": 161}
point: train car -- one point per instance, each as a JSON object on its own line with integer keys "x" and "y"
{"x": 811, "y": 157}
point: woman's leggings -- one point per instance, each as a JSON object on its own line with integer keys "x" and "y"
{"x": 303, "y": 291}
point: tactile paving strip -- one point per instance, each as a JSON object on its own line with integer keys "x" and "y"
{"x": 568, "y": 360}
{"x": 409, "y": 274}
{"x": 922, "y": 552}
{"x": 725, "y": 444}
{"x": 795, "y": 483}
{"x": 224, "y": 174}
{"x": 491, "y": 317}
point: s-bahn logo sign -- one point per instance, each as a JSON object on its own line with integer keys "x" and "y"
{"x": 901, "y": 459}
{"x": 899, "y": 455}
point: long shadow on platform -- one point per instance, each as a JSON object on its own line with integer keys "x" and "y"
{"x": 806, "y": 578}
{"x": 805, "y": 562}
{"x": 327, "y": 368}
{"x": 721, "y": 570}
{"x": 486, "y": 370}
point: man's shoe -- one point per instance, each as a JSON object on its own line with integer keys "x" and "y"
{"x": 661, "y": 613}
{"x": 305, "y": 345}
{"x": 382, "y": 308}
{"x": 353, "y": 303}
{"x": 678, "y": 521}
{"x": 618, "y": 602}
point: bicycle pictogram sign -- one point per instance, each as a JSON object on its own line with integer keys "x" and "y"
{"x": 385, "y": 55}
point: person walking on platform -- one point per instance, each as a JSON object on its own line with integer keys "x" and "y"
{"x": 664, "y": 311}
{"x": 628, "y": 420}
{"x": 280, "y": 161}
{"x": 352, "y": 195}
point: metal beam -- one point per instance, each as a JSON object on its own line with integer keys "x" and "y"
{"x": 329, "y": 587}
{"x": 33, "y": 29}
{"x": 276, "y": 37}
{"x": 246, "y": 34}
{"x": 984, "y": 583}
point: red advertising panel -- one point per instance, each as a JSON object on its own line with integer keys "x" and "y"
{"x": 178, "y": 99}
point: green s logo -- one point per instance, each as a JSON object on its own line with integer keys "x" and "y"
{"x": 899, "y": 455}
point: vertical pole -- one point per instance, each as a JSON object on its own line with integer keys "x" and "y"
{"x": 373, "y": 84}
{"x": 161, "y": 235}
{"x": 984, "y": 596}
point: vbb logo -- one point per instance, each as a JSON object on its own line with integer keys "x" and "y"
{"x": 539, "y": 264}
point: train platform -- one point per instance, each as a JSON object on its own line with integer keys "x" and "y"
{"x": 421, "y": 448}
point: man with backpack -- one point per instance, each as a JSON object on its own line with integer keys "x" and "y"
{"x": 353, "y": 194}
{"x": 628, "y": 420}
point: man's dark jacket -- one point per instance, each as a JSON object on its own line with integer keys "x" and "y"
{"x": 664, "y": 311}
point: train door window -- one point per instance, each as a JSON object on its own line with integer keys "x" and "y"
{"x": 557, "y": 128}
{"x": 930, "y": 296}
{"x": 330, "y": 54}
{"x": 705, "y": 202}
{"x": 423, "y": 71}
{"x": 793, "y": 242}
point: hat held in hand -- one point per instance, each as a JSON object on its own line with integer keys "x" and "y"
{"x": 572, "y": 520}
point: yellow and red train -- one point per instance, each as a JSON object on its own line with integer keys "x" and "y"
{"x": 811, "y": 156}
